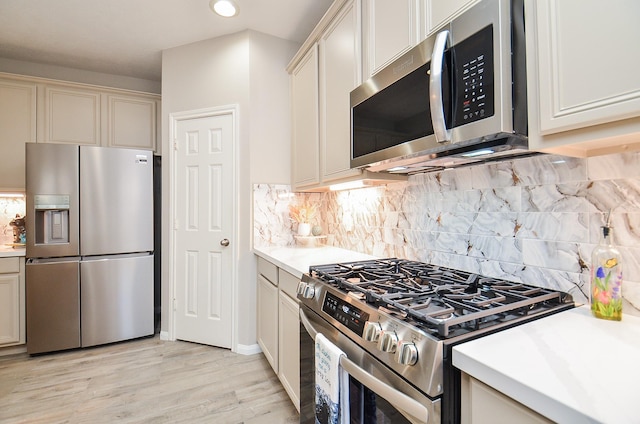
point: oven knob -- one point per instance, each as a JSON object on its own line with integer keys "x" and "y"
{"x": 306, "y": 290}
{"x": 407, "y": 353}
{"x": 388, "y": 341}
{"x": 372, "y": 331}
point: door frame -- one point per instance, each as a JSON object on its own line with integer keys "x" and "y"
{"x": 174, "y": 119}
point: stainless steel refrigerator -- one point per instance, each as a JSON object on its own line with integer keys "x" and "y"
{"x": 89, "y": 271}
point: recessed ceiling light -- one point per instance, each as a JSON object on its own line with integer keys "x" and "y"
{"x": 225, "y": 8}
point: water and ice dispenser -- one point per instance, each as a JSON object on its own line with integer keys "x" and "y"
{"x": 51, "y": 218}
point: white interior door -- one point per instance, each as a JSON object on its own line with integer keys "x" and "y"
{"x": 203, "y": 229}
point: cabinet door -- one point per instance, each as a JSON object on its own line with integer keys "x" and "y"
{"x": 267, "y": 325}
{"x": 289, "y": 341}
{"x": 439, "y": 12}
{"x": 573, "y": 94}
{"x": 12, "y": 301}
{"x": 17, "y": 126}
{"x": 390, "y": 28}
{"x": 71, "y": 116}
{"x": 304, "y": 106}
{"x": 9, "y": 308}
{"x": 483, "y": 404}
{"x": 131, "y": 122}
{"x": 338, "y": 76}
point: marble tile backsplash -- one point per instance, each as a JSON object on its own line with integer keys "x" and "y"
{"x": 9, "y": 207}
{"x": 534, "y": 220}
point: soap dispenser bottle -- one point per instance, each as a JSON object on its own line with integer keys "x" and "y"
{"x": 606, "y": 277}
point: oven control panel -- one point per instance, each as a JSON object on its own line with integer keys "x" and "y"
{"x": 345, "y": 313}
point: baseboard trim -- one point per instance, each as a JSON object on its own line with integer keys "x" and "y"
{"x": 13, "y": 350}
{"x": 248, "y": 349}
{"x": 164, "y": 335}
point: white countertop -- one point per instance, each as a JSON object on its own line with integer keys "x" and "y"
{"x": 569, "y": 367}
{"x": 296, "y": 260}
{"x": 9, "y": 251}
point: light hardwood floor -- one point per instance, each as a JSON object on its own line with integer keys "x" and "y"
{"x": 142, "y": 381}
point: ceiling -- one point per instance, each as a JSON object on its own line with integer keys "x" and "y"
{"x": 126, "y": 37}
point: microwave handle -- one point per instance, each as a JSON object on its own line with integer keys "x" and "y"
{"x": 436, "y": 104}
{"x": 398, "y": 400}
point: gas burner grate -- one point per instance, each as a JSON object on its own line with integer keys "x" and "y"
{"x": 442, "y": 299}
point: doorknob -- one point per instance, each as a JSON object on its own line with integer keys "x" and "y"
{"x": 224, "y": 242}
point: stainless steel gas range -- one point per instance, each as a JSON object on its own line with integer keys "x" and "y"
{"x": 397, "y": 321}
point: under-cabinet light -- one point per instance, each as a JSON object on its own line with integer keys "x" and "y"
{"x": 397, "y": 169}
{"x": 347, "y": 186}
{"x": 477, "y": 153}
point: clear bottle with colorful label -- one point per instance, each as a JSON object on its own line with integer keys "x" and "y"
{"x": 606, "y": 278}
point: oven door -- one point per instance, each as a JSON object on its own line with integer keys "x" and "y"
{"x": 376, "y": 394}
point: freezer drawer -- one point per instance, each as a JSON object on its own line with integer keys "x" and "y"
{"x": 53, "y": 305}
{"x": 117, "y": 298}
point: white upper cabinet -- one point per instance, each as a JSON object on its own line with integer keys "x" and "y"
{"x": 131, "y": 121}
{"x": 71, "y": 116}
{"x": 99, "y": 117}
{"x": 439, "y": 12}
{"x": 582, "y": 66}
{"x": 339, "y": 74}
{"x": 321, "y": 81}
{"x": 304, "y": 118}
{"x": 17, "y": 126}
{"x": 42, "y": 110}
{"x": 390, "y": 28}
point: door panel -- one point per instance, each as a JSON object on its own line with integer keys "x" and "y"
{"x": 117, "y": 200}
{"x": 204, "y": 218}
{"x": 117, "y": 299}
{"x": 52, "y": 184}
{"x": 53, "y": 306}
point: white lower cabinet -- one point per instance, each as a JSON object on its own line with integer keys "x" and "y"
{"x": 12, "y": 302}
{"x": 482, "y": 404}
{"x": 268, "y": 320}
{"x": 278, "y": 326}
{"x": 289, "y": 336}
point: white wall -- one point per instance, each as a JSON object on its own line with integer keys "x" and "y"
{"x": 78, "y": 75}
{"x": 247, "y": 69}
{"x": 270, "y": 109}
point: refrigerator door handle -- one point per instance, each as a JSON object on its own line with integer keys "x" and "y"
{"x": 117, "y": 256}
{"x": 65, "y": 259}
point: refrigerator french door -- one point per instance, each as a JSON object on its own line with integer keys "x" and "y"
{"x": 95, "y": 204}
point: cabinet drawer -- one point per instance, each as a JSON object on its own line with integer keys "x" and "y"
{"x": 9, "y": 265}
{"x": 288, "y": 283}
{"x": 268, "y": 270}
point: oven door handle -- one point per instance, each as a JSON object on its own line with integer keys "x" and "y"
{"x": 398, "y": 400}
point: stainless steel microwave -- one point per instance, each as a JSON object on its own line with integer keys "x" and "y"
{"x": 456, "y": 98}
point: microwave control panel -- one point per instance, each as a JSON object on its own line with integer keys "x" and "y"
{"x": 473, "y": 65}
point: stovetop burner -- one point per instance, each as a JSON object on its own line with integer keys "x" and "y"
{"x": 441, "y": 301}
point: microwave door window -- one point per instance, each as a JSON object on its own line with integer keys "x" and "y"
{"x": 397, "y": 114}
